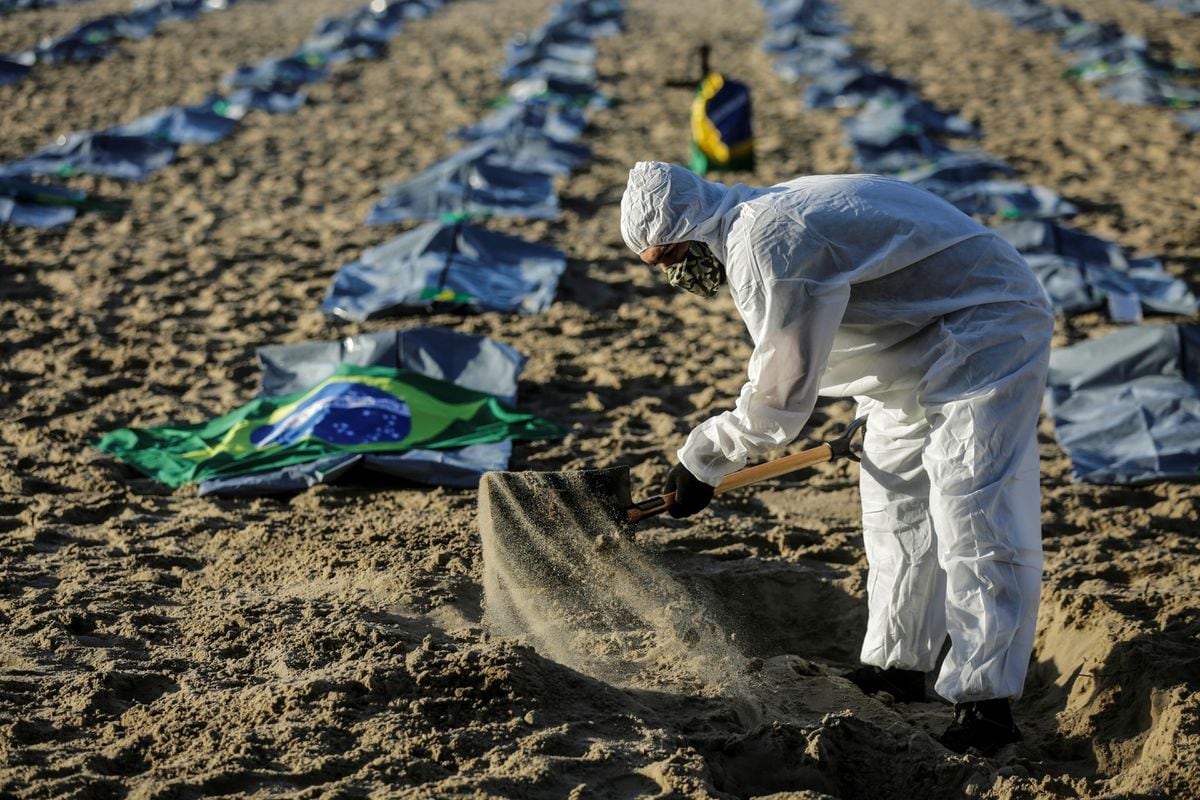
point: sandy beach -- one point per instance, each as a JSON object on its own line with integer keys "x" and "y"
{"x": 334, "y": 642}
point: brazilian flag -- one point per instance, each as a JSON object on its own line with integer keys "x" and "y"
{"x": 722, "y": 138}
{"x": 355, "y": 410}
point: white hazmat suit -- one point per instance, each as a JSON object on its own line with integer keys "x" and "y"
{"x": 867, "y": 287}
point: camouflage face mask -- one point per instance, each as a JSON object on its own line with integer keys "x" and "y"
{"x": 699, "y": 272}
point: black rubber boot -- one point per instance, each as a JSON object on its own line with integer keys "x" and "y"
{"x": 984, "y": 726}
{"x": 905, "y": 685}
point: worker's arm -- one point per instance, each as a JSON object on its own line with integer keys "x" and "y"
{"x": 793, "y": 316}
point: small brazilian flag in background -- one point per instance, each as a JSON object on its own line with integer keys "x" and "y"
{"x": 355, "y": 410}
{"x": 722, "y": 138}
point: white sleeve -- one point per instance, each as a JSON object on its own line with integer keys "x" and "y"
{"x": 793, "y": 322}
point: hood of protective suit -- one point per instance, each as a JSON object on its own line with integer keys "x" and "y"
{"x": 665, "y": 204}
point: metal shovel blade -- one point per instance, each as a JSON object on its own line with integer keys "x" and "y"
{"x": 553, "y": 547}
{"x": 562, "y": 572}
{"x": 522, "y": 516}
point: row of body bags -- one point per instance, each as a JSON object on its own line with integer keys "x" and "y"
{"x": 894, "y": 131}
{"x": 28, "y": 5}
{"x": 1189, "y": 8}
{"x": 1103, "y": 52}
{"x": 95, "y": 38}
{"x": 1124, "y": 406}
{"x": 137, "y": 149}
{"x": 505, "y": 169}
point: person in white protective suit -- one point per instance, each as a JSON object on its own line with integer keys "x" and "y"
{"x": 868, "y": 287}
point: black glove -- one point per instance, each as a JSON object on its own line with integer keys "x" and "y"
{"x": 691, "y": 494}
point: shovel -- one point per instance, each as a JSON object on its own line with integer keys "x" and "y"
{"x": 841, "y": 447}
{"x": 562, "y": 570}
{"x": 518, "y": 506}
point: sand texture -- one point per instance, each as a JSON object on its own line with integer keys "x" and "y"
{"x": 337, "y": 642}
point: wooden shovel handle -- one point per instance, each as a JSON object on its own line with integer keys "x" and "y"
{"x": 842, "y": 447}
{"x": 772, "y": 469}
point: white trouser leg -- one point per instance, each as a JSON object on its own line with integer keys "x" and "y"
{"x": 906, "y": 587}
{"x": 982, "y": 462}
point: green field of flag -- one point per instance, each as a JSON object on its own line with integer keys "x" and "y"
{"x": 355, "y": 410}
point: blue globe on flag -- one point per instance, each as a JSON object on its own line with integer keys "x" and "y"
{"x": 340, "y": 413}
